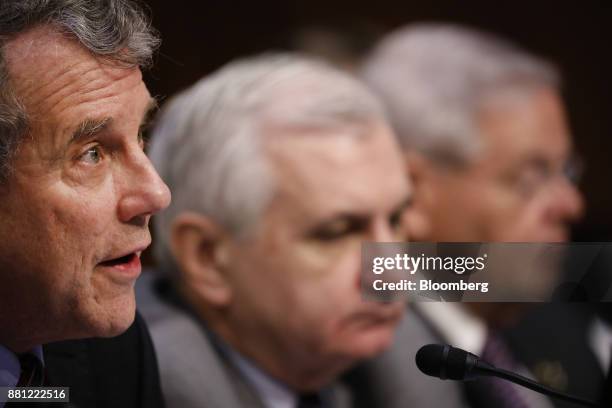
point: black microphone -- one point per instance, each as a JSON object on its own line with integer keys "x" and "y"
{"x": 447, "y": 362}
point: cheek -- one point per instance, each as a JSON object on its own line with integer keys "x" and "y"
{"x": 41, "y": 240}
{"x": 66, "y": 252}
{"x": 530, "y": 222}
{"x": 44, "y": 263}
{"x": 326, "y": 282}
{"x": 492, "y": 213}
{"x": 85, "y": 216}
{"x": 67, "y": 237}
{"x": 511, "y": 217}
{"x": 75, "y": 234}
{"x": 306, "y": 290}
{"x": 327, "y": 260}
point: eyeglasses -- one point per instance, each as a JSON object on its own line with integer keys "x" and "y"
{"x": 537, "y": 174}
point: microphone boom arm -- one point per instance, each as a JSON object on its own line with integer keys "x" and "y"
{"x": 532, "y": 385}
{"x": 448, "y": 362}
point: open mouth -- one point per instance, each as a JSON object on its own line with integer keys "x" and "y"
{"x": 124, "y": 260}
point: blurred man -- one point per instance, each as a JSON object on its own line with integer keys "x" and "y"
{"x": 486, "y": 142}
{"x": 280, "y": 167}
{"x": 76, "y": 191}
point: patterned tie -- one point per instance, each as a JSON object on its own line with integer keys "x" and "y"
{"x": 32, "y": 373}
{"x": 312, "y": 400}
{"x": 492, "y": 391}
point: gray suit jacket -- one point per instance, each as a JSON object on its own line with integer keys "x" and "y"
{"x": 194, "y": 374}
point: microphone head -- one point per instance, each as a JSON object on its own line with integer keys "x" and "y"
{"x": 429, "y": 359}
{"x": 444, "y": 361}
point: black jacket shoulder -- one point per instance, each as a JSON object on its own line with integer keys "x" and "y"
{"x": 107, "y": 372}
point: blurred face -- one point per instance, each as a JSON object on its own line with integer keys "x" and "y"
{"x": 78, "y": 204}
{"x": 515, "y": 191}
{"x": 296, "y": 280}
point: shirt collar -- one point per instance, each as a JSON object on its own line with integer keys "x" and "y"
{"x": 10, "y": 369}
{"x": 273, "y": 393}
{"x": 600, "y": 339}
{"x": 456, "y": 325}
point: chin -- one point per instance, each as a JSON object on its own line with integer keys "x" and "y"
{"x": 112, "y": 318}
{"x": 119, "y": 326}
{"x": 372, "y": 342}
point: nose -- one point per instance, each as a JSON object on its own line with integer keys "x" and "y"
{"x": 416, "y": 225}
{"x": 143, "y": 191}
{"x": 383, "y": 231}
{"x": 566, "y": 203}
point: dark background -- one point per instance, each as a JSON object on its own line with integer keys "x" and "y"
{"x": 200, "y": 36}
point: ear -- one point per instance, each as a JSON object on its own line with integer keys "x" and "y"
{"x": 198, "y": 246}
{"x": 420, "y": 172}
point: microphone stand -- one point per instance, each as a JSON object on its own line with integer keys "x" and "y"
{"x": 487, "y": 369}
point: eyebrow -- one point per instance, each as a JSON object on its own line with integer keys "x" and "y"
{"x": 401, "y": 206}
{"x": 91, "y": 127}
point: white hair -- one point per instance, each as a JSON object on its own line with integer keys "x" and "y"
{"x": 207, "y": 144}
{"x": 434, "y": 78}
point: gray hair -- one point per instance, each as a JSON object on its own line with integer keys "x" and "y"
{"x": 434, "y": 79}
{"x": 208, "y": 142}
{"x": 116, "y": 30}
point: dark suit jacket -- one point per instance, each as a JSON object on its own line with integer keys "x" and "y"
{"x": 114, "y": 372}
{"x": 554, "y": 335}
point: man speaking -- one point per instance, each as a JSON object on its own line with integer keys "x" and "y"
{"x": 76, "y": 188}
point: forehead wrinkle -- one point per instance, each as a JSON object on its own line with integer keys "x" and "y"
{"x": 97, "y": 94}
{"x": 85, "y": 88}
{"x": 60, "y": 75}
{"x": 52, "y": 91}
{"x": 62, "y": 130}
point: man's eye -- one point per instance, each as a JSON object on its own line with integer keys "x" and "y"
{"x": 332, "y": 231}
{"x": 338, "y": 229}
{"x": 531, "y": 180}
{"x": 92, "y": 155}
